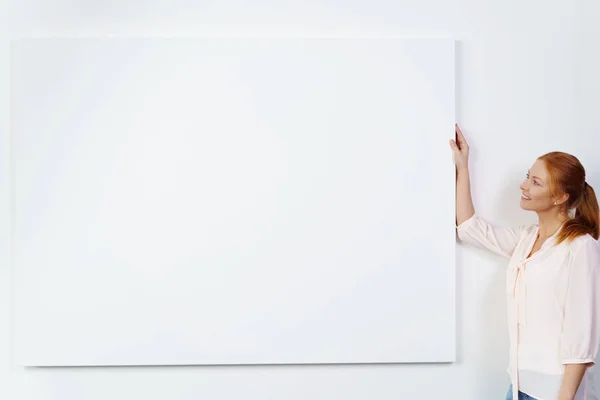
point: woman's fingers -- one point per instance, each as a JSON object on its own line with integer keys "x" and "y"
{"x": 457, "y": 130}
{"x": 453, "y": 145}
{"x": 462, "y": 142}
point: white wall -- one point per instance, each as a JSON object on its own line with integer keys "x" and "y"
{"x": 519, "y": 92}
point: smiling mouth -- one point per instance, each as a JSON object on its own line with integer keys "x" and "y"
{"x": 525, "y": 197}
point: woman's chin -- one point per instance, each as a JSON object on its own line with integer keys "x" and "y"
{"x": 524, "y": 204}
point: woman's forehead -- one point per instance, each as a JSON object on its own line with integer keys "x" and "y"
{"x": 539, "y": 169}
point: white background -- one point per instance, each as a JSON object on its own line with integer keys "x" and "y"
{"x": 526, "y": 81}
{"x": 232, "y": 201}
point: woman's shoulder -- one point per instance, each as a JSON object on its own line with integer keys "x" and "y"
{"x": 585, "y": 239}
{"x": 584, "y": 242}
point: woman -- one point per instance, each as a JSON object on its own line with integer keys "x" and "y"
{"x": 553, "y": 276}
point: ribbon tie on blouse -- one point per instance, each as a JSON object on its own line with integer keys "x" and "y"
{"x": 519, "y": 293}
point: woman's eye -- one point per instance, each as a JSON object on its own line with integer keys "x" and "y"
{"x": 534, "y": 182}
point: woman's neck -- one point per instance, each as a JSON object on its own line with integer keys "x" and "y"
{"x": 550, "y": 222}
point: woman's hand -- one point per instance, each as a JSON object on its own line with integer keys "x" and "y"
{"x": 460, "y": 147}
{"x": 464, "y": 202}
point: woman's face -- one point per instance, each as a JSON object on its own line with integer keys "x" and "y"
{"x": 535, "y": 189}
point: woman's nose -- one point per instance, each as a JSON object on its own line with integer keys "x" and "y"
{"x": 524, "y": 185}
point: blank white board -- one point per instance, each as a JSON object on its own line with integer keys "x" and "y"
{"x": 233, "y": 201}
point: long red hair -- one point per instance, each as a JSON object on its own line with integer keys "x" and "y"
{"x": 567, "y": 175}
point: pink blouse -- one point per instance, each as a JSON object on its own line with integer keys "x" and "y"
{"x": 553, "y": 304}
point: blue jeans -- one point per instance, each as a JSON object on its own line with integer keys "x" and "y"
{"x": 522, "y": 396}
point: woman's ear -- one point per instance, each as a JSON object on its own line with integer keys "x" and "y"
{"x": 561, "y": 199}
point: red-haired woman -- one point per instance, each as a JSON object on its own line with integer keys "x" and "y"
{"x": 553, "y": 276}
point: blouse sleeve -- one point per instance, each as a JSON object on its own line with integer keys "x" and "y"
{"x": 478, "y": 232}
{"x": 581, "y": 322}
